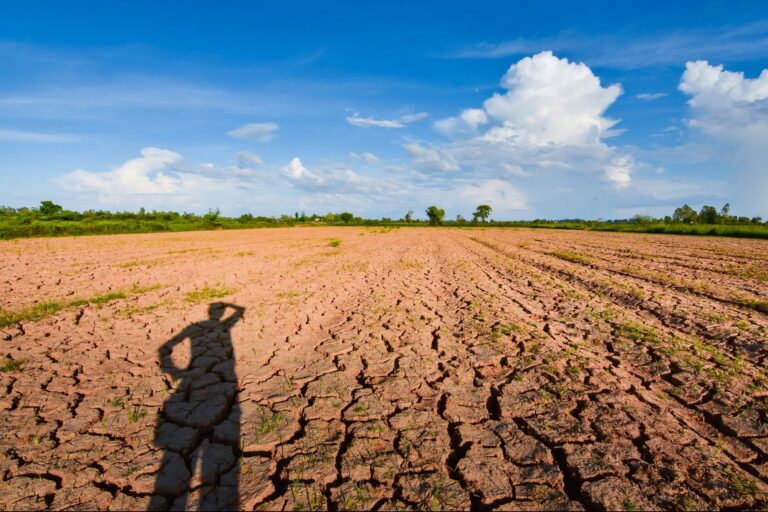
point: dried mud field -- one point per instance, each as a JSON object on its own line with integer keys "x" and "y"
{"x": 398, "y": 369}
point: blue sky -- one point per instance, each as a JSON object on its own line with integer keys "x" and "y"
{"x": 557, "y": 110}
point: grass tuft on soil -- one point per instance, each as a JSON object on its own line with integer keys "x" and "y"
{"x": 571, "y": 256}
{"x": 10, "y": 365}
{"x": 207, "y": 293}
{"x": 48, "y": 308}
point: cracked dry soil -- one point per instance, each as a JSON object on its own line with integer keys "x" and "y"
{"x": 405, "y": 369}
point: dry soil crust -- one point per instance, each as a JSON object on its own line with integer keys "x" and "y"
{"x": 403, "y": 369}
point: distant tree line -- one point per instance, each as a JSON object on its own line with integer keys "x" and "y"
{"x": 709, "y": 215}
{"x": 50, "y": 219}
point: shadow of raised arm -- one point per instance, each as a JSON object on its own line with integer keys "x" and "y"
{"x": 164, "y": 353}
{"x": 234, "y": 317}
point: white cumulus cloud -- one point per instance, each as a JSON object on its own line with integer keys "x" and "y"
{"x": 552, "y": 100}
{"x": 551, "y": 117}
{"x": 144, "y": 175}
{"x": 295, "y": 171}
{"x": 618, "y": 171}
{"x": 159, "y": 173}
{"x": 731, "y": 112}
{"x": 466, "y": 123}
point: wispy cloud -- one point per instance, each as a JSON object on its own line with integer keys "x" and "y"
{"x": 368, "y": 157}
{"x": 262, "y": 132}
{"x": 400, "y": 122}
{"x": 24, "y": 136}
{"x": 337, "y": 180}
{"x": 650, "y": 96}
{"x": 628, "y": 51}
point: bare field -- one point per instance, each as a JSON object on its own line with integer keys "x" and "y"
{"x": 351, "y": 368}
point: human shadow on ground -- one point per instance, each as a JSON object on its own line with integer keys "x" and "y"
{"x": 199, "y": 428}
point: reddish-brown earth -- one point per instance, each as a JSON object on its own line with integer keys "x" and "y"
{"x": 405, "y": 369}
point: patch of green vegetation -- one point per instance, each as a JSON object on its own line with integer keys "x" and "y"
{"x": 507, "y": 329}
{"x": 135, "y": 414}
{"x": 106, "y": 297}
{"x": 138, "y": 263}
{"x": 714, "y": 317}
{"x": 10, "y": 365}
{"x": 629, "y": 506}
{"x": 406, "y": 264}
{"x": 137, "y": 310}
{"x": 357, "y": 499}
{"x": 635, "y": 293}
{"x": 694, "y": 364}
{"x": 270, "y": 422}
{"x": 45, "y": 309}
{"x": 605, "y": 314}
{"x": 185, "y": 251}
{"x": 116, "y": 402}
{"x": 743, "y": 485}
{"x": 756, "y": 304}
{"x": 572, "y": 293}
{"x": 207, "y": 293}
{"x": 573, "y": 371}
{"x": 138, "y": 290}
{"x": 757, "y": 384}
{"x": 334, "y": 242}
{"x": 32, "y": 313}
{"x": 741, "y": 325}
{"x": 571, "y": 256}
{"x": 638, "y": 333}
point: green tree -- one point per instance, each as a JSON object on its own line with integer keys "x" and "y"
{"x": 212, "y": 215}
{"x": 346, "y": 217}
{"x": 685, "y": 214}
{"x": 708, "y": 215}
{"x": 409, "y": 217}
{"x": 725, "y": 213}
{"x": 49, "y": 208}
{"x": 642, "y": 219}
{"x": 483, "y": 212}
{"x": 435, "y": 215}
